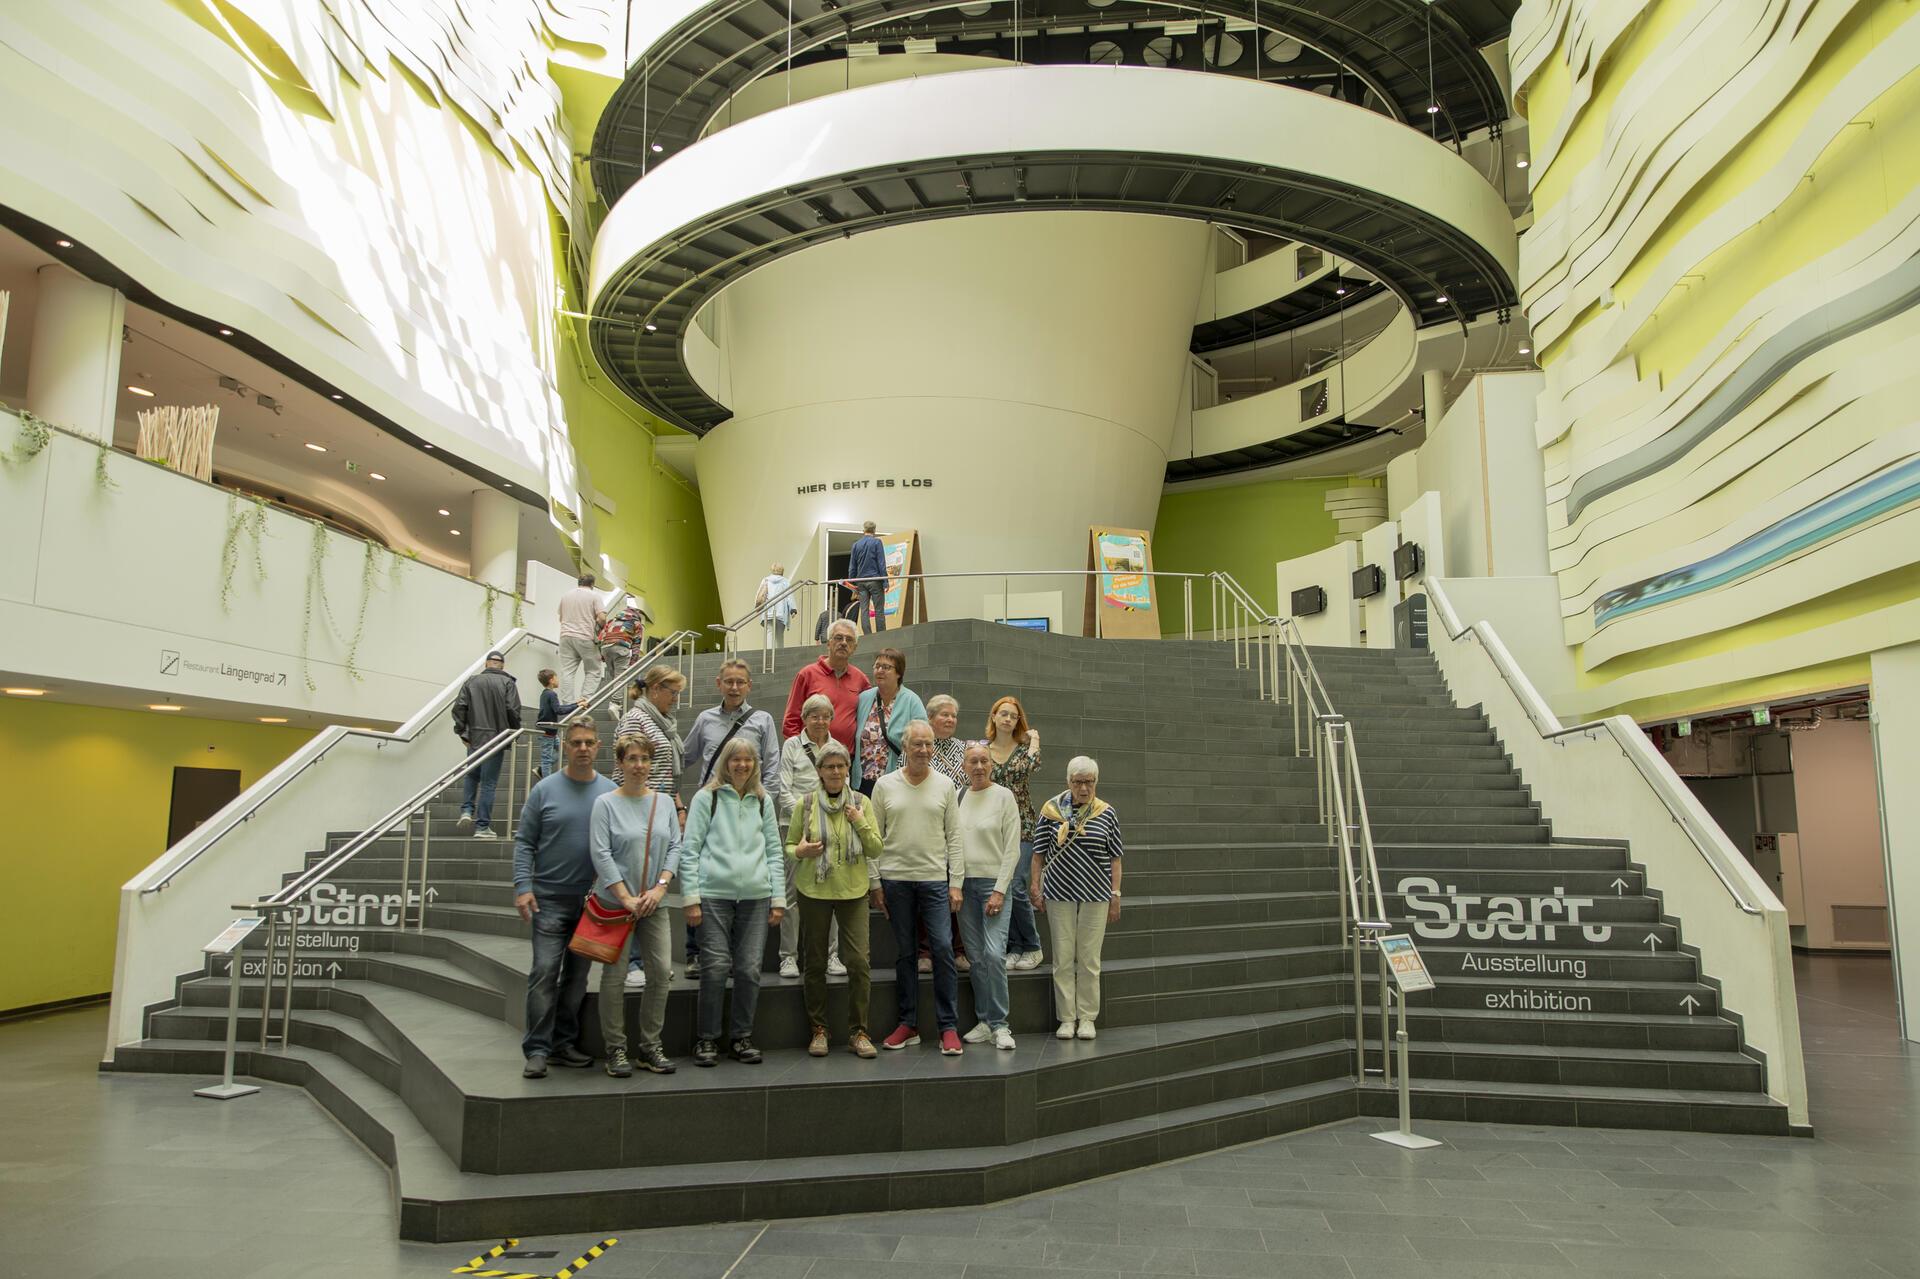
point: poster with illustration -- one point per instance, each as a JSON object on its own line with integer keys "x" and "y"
{"x": 899, "y": 549}
{"x": 1123, "y": 568}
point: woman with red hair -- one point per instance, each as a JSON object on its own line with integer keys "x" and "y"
{"x": 1014, "y": 746}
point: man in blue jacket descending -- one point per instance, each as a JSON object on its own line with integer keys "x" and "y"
{"x": 868, "y": 560}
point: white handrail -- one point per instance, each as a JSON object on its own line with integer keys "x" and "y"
{"x": 1707, "y": 838}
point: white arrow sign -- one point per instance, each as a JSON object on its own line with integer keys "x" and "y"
{"x": 1653, "y": 941}
{"x": 1689, "y": 1003}
{"x": 1619, "y": 887}
{"x": 432, "y": 893}
{"x": 333, "y": 969}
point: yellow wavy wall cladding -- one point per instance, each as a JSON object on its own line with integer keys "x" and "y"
{"x": 1723, "y": 277}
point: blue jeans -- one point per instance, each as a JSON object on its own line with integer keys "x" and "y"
{"x": 549, "y": 755}
{"x": 733, "y": 940}
{"x": 1023, "y": 937}
{"x": 557, "y": 981}
{"x": 985, "y": 937}
{"x": 873, "y": 606}
{"x": 911, "y": 902}
{"x": 482, "y": 779}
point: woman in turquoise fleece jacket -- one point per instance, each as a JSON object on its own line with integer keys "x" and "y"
{"x": 880, "y": 719}
{"x": 733, "y": 878}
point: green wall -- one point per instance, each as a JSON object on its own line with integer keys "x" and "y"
{"x": 1242, "y": 529}
{"x": 86, "y": 792}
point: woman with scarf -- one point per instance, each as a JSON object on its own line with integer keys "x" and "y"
{"x": 655, "y": 695}
{"x": 833, "y": 841}
{"x": 799, "y": 777}
{"x": 1076, "y": 885}
{"x": 881, "y": 716}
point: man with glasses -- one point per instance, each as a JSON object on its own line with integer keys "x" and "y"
{"x": 835, "y": 677}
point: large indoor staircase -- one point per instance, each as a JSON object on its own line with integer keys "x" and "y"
{"x": 1565, "y": 995}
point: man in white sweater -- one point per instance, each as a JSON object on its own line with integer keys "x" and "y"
{"x": 922, "y": 869}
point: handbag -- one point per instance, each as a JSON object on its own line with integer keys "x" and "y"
{"x": 603, "y": 930}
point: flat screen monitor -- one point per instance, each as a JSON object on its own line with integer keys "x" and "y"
{"x": 1368, "y": 581}
{"x": 1408, "y": 560}
{"x": 1309, "y": 600}
{"x": 1027, "y": 623}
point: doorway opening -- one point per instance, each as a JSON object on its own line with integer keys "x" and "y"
{"x": 198, "y": 793}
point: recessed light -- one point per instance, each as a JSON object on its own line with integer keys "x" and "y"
{"x": 1521, "y": 163}
{"x": 454, "y": 531}
{"x": 445, "y": 511}
{"x": 334, "y": 396}
{"x": 376, "y": 475}
{"x": 657, "y": 148}
{"x": 26, "y": 692}
{"x": 1442, "y": 298}
{"x": 1526, "y": 350}
{"x": 1341, "y": 291}
{"x": 273, "y": 719}
{"x": 226, "y": 333}
{"x": 652, "y": 327}
{"x": 140, "y": 390}
{"x": 1433, "y": 108}
{"x": 427, "y": 447}
{"x": 165, "y": 707}
{"x": 321, "y": 448}
{"x": 65, "y": 244}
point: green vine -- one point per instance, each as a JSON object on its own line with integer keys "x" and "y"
{"x": 486, "y": 608}
{"x": 369, "y": 569}
{"x": 316, "y": 584}
{"x": 519, "y": 611}
{"x": 250, "y": 523}
{"x": 33, "y": 439}
{"x": 102, "y": 481}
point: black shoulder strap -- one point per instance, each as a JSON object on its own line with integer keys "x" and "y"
{"x": 715, "y": 757}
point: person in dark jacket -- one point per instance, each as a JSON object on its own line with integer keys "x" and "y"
{"x": 488, "y": 705}
{"x": 868, "y": 560}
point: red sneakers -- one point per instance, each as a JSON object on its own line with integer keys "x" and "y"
{"x": 903, "y": 1036}
{"x": 950, "y": 1043}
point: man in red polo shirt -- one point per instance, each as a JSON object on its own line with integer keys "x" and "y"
{"x": 837, "y": 677}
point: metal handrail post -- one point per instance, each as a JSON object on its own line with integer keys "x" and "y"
{"x": 266, "y": 976}
{"x": 426, "y": 850}
{"x": 293, "y": 959}
{"x": 1386, "y": 1039}
{"x": 226, "y": 1089}
{"x": 1186, "y": 585}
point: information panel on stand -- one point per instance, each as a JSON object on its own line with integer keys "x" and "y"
{"x": 1404, "y": 962}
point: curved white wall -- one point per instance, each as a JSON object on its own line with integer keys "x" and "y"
{"x": 1029, "y": 364}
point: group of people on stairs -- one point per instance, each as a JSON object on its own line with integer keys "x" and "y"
{"x": 862, "y": 799}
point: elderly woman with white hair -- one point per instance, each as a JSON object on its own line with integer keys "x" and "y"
{"x": 800, "y": 758}
{"x": 832, "y": 836}
{"x": 735, "y": 886}
{"x": 1076, "y": 884}
{"x": 779, "y": 611}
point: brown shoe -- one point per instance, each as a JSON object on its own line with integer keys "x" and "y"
{"x": 862, "y": 1047}
{"x": 818, "y": 1048}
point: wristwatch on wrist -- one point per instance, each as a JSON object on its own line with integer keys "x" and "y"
{"x": 664, "y": 880}
{"x": 1116, "y": 895}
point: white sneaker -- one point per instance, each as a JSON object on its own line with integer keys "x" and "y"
{"x": 1086, "y": 1030}
{"x": 1003, "y": 1039}
{"x": 980, "y": 1033}
{"x": 789, "y": 967}
{"x": 1065, "y": 1031}
{"x": 486, "y": 832}
{"x": 465, "y": 824}
{"x": 636, "y": 979}
{"x": 834, "y": 967}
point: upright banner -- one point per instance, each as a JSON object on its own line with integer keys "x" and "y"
{"x": 1120, "y": 560}
{"x": 905, "y": 591}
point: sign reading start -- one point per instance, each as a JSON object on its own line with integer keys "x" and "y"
{"x": 838, "y": 486}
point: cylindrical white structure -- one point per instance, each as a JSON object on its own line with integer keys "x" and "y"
{"x": 73, "y": 366}
{"x": 494, "y": 534}
{"x": 1026, "y": 369}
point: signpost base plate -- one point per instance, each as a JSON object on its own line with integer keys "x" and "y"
{"x": 1406, "y": 1140}
{"x": 225, "y": 1092}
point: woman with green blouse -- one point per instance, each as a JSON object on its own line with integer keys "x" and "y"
{"x": 833, "y": 842}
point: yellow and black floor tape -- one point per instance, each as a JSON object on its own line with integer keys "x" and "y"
{"x": 478, "y": 1266}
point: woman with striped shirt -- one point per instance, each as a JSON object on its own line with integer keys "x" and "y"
{"x": 1076, "y": 885}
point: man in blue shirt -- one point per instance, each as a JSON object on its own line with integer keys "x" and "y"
{"x": 552, "y": 874}
{"x": 868, "y": 560}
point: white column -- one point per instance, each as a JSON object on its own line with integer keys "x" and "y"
{"x": 1895, "y": 691}
{"x": 494, "y": 534}
{"x": 73, "y": 365}
{"x": 1433, "y": 396}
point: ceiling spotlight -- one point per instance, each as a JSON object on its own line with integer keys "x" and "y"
{"x": 652, "y": 327}
{"x": 65, "y": 244}
{"x": 454, "y": 531}
{"x": 1441, "y": 299}
{"x": 1340, "y": 291}
{"x": 141, "y": 390}
{"x": 657, "y": 148}
{"x": 1521, "y": 163}
{"x": 1525, "y": 349}
{"x": 26, "y": 692}
{"x": 273, "y": 719}
{"x": 445, "y": 511}
{"x": 318, "y": 448}
{"x": 376, "y": 475}
{"x": 226, "y": 333}
{"x": 427, "y": 447}
{"x": 334, "y": 396}
{"x": 165, "y": 707}
{"x": 1433, "y": 108}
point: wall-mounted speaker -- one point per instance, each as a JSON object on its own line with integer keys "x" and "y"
{"x": 1309, "y": 600}
{"x": 1408, "y": 560}
{"x": 1368, "y": 581}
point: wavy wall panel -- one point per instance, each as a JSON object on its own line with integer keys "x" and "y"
{"x": 1723, "y": 278}
{"x": 365, "y": 185}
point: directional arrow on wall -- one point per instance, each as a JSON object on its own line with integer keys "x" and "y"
{"x": 432, "y": 893}
{"x": 1653, "y": 941}
{"x": 1619, "y": 887}
{"x": 1689, "y": 1003}
{"x": 333, "y": 969}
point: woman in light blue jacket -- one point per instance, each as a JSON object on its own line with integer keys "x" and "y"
{"x": 733, "y": 878}
{"x": 880, "y": 719}
{"x": 634, "y": 839}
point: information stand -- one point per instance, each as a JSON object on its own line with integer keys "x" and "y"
{"x": 906, "y": 591}
{"x": 1121, "y": 603}
{"x": 228, "y": 944}
{"x": 1409, "y": 973}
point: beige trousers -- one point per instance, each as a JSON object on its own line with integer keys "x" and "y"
{"x": 1078, "y": 930}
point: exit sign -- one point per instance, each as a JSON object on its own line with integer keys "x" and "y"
{"x": 1762, "y": 715}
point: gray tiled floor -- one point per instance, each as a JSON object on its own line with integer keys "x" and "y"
{"x": 121, "y": 1175}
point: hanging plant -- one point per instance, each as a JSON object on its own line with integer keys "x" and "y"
{"x": 369, "y": 567}
{"x": 316, "y": 584}
{"x": 486, "y": 609}
{"x": 101, "y": 480}
{"x": 519, "y": 611}
{"x": 249, "y": 523}
{"x": 33, "y": 439}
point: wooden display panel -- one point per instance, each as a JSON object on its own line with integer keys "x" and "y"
{"x": 1121, "y": 590}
